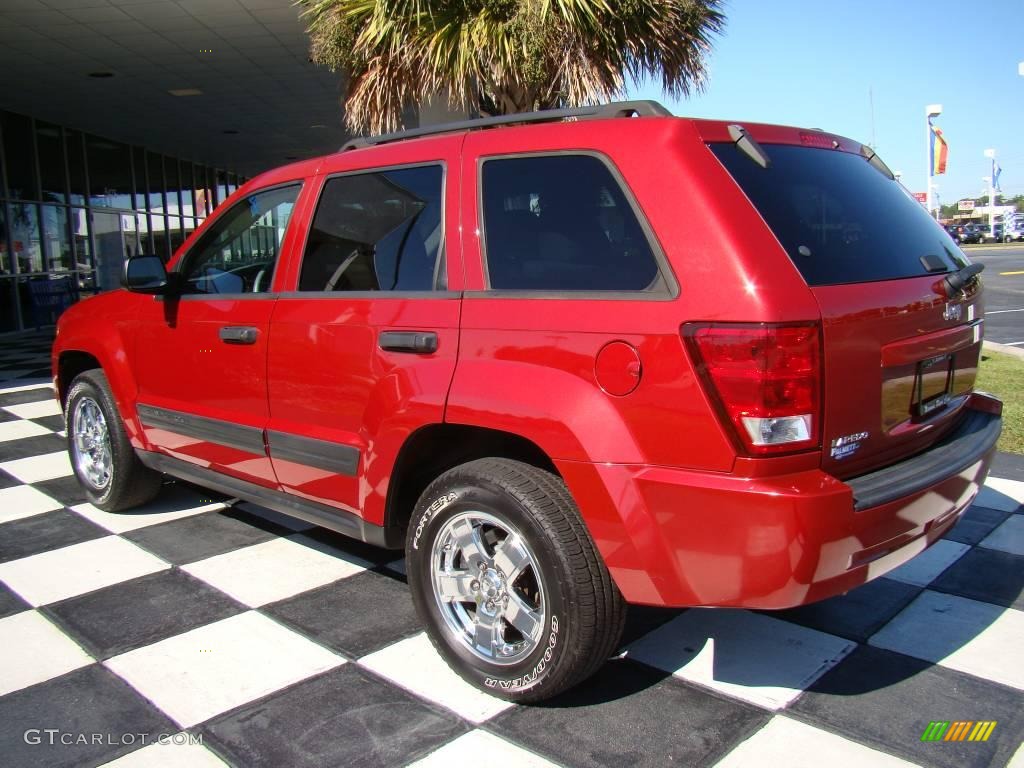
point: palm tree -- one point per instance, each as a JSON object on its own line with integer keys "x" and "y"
{"x": 505, "y": 56}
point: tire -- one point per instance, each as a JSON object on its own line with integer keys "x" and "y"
{"x": 101, "y": 455}
{"x": 555, "y": 615}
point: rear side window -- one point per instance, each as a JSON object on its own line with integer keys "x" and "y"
{"x": 839, "y": 219}
{"x": 377, "y": 232}
{"x": 562, "y": 223}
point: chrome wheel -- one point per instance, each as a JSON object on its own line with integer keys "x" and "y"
{"x": 91, "y": 441}
{"x": 488, "y": 587}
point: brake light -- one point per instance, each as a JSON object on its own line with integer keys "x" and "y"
{"x": 764, "y": 378}
{"x": 819, "y": 140}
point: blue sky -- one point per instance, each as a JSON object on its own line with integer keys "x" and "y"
{"x": 807, "y": 63}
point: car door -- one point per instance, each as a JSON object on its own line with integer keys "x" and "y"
{"x": 201, "y": 353}
{"x": 363, "y": 349}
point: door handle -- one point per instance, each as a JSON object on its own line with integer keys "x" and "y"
{"x": 234, "y": 334}
{"x": 417, "y": 342}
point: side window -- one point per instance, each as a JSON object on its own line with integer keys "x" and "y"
{"x": 238, "y": 253}
{"x": 562, "y": 223}
{"x": 377, "y": 231}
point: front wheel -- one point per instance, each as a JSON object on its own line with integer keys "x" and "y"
{"x": 505, "y": 576}
{"x": 101, "y": 455}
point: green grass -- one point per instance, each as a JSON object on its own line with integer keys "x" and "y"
{"x": 1003, "y": 375}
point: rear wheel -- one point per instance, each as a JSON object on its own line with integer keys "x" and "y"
{"x": 101, "y": 455}
{"x": 506, "y": 578}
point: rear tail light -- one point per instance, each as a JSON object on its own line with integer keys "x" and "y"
{"x": 764, "y": 378}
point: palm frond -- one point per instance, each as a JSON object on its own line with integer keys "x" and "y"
{"x": 506, "y": 55}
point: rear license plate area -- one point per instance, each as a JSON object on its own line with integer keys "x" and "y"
{"x": 933, "y": 386}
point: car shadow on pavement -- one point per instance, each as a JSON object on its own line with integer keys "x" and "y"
{"x": 950, "y": 618}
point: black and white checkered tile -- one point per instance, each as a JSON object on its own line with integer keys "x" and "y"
{"x": 255, "y": 640}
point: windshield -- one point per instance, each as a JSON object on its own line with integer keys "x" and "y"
{"x": 839, "y": 219}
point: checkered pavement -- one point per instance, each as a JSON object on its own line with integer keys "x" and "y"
{"x": 275, "y": 643}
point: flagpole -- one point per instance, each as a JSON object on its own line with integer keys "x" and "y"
{"x": 991, "y": 153}
{"x": 932, "y": 110}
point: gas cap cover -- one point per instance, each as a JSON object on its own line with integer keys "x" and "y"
{"x": 618, "y": 368}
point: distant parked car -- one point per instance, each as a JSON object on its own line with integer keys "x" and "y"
{"x": 988, "y": 233}
{"x": 953, "y": 230}
{"x": 971, "y": 234}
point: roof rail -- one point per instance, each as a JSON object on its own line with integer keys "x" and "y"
{"x": 644, "y": 108}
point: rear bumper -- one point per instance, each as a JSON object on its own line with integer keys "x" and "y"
{"x": 680, "y": 538}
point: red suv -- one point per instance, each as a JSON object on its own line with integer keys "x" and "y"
{"x": 569, "y": 360}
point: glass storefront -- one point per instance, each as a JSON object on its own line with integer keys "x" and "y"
{"x": 74, "y": 206}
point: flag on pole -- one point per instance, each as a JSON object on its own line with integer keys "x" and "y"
{"x": 940, "y": 151}
{"x": 996, "y": 170}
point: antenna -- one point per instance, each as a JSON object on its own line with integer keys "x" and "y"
{"x": 871, "y": 101}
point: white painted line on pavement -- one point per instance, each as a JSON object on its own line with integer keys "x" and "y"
{"x": 1001, "y": 311}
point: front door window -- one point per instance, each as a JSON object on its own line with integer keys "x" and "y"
{"x": 238, "y": 253}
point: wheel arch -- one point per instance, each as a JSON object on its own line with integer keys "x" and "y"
{"x": 70, "y": 364}
{"x": 80, "y": 354}
{"x": 436, "y": 448}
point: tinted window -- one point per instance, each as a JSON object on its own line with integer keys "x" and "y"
{"x": 562, "y": 223}
{"x": 377, "y": 232}
{"x": 839, "y": 219}
{"x": 237, "y": 254}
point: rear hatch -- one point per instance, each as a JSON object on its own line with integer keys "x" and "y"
{"x": 899, "y": 355}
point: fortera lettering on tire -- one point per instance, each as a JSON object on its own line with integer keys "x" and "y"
{"x": 432, "y": 510}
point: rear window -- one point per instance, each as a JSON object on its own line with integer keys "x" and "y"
{"x": 562, "y": 223}
{"x": 839, "y": 219}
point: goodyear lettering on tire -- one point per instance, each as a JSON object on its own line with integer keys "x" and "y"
{"x": 531, "y": 677}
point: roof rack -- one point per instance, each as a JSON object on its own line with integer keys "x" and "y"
{"x": 645, "y": 108}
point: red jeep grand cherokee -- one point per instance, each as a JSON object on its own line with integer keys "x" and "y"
{"x": 569, "y": 360}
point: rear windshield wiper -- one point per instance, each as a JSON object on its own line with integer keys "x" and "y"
{"x": 955, "y": 282}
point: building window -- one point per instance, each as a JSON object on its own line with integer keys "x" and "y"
{"x": 5, "y": 256}
{"x": 155, "y": 192}
{"x": 21, "y": 172}
{"x": 73, "y": 206}
{"x": 110, "y": 173}
{"x": 53, "y": 172}
{"x": 188, "y": 186}
{"x": 221, "y": 189}
{"x": 139, "y": 169}
{"x": 57, "y": 234}
{"x": 76, "y": 167}
{"x": 85, "y": 260}
{"x": 27, "y": 249}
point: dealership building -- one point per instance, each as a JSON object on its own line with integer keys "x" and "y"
{"x": 124, "y": 123}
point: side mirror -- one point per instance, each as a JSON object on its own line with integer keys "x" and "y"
{"x": 145, "y": 274}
